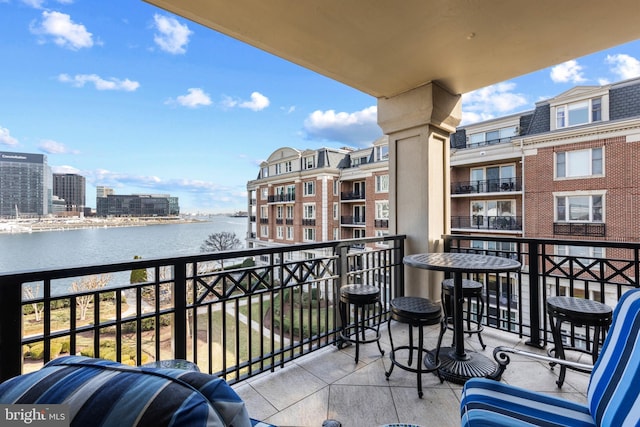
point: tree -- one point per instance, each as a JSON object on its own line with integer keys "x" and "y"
{"x": 89, "y": 283}
{"x": 138, "y": 275}
{"x": 221, "y": 241}
{"x": 38, "y": 308}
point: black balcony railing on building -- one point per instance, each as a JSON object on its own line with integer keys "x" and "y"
{"x": 279, "y": 198}
{"x": 487, "y": 186}
{"x": 352, "y": 220}
{"x": 264, "y": 220}
{"x": 279, "y": 221}
{"x": 289, "y": 221}
{"x": 588, "y": 229}
{"x": 232, "y": 316}
{"x": 489, "y": 142}
{"x": 352, "y": 195}
{"x": 481, "y": 222}
{"x": 310, "y": 222}
{"x": 381, "y": 223}
{"x": 252, "y": 218}
{"x": 240, "y": 313}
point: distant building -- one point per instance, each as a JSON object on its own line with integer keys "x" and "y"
{"x": 71, "y": 188}
{"x": 25, "y": 185}
{"x": 137, "y": 205}
{"x": 102, "y": 191}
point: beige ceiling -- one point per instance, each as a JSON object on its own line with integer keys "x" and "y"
{"x": 386, "y": 47}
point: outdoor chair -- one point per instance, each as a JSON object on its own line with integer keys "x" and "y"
{"x": 613, "y": 395}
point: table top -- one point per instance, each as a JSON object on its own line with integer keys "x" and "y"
{"x": 461, "y": 262}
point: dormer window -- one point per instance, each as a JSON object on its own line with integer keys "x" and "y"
{"x": 579, "y": 113}
{"x": 382, "y": 153}
{"x": 309, "y": 162}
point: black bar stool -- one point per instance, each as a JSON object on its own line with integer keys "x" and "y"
{"x": 578, "y": 312}
{"x": 418, "y": 312}
{"x": 361, "y": 297}
{"x": 471, "y": 290}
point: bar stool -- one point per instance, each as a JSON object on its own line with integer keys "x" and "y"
{"x": 578, "y": 312}
{"x": 418, "y": 312}
{"x": 471, "y": 290}
{"x": 361, "y": 297}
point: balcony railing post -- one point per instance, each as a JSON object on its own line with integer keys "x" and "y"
{"x": 534, "y": 295}
{"x": 180, "y": 306}
{"x": 10, "y": 329}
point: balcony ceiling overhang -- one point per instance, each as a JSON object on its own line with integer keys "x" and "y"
{"x": 385, "y": 48}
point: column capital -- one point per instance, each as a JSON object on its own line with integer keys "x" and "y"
{"x": 429, "y": 104}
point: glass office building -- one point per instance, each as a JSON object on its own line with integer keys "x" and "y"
{"x": 26, "y": 186}
{"x": 146, "y": 205}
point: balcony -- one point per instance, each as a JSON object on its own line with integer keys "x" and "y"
{"x": 309, "y": 222}
{"x": 381, "y": 223}
{"x": 269, "y": 328}
{"x": 504, "y": 185}
{"x": 352, "y": 195}
{"x": 588, "y": 229}
{"x": 352, "y": 220}
{"x": 281, "y": 198}
{"x": 481, "y": 222}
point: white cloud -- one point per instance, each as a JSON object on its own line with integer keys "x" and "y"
{"x": 624, "y": 66}
{"x": 39, "y": 4}
{"x": 53, "y": 147}
{"x": 360, "y": 127}
{"x": 79, "y": 80}
{"x": 491, "y": 101}
{"x": 64, "y": 32}
{"x": 6, "y": 138}
{"x": 567, "y": 72}
{"x": 258, "y": 102}
{"x": 172, "y": 36}
{"x": 65, "y": 169}
{"x": 195, "y": 98}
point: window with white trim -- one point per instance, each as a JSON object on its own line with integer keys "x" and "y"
{"x": 585, "y": 254}
{"x": 492, "y": 137}
{"x": 264, "y": 193}
{"x": 278, "y": 168}
{"x": 309, "y": 234}
{"x": 579, "y": 208}
{"x": 580, "y": 163}
{"x": 382, "y": 153}
{"x": 382, "y": 183}
{"x": 289, "y": 212}
{"x": 265, "y": 172}
{"x": 264, "y": 231}
{"x": 578, "y": 113}
{"x": 382, "y": 209}
{"x": 309, "y": 162}
{"x": 279, "y": 211}
{"x": 289, "y": 233}
{"x": 280, "y": 232}
{"x": 336, "y": 211}
{"x": 309, "y": 211}
{"x": 309, "y": 188}
{"x": 264, "y": 212}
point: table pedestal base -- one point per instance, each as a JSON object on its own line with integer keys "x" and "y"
{"x": 459, "y": 370}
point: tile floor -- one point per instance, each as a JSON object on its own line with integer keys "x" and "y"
{"x": 328, "y": 384}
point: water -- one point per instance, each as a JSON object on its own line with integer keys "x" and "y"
{"x": 73, "y": 248}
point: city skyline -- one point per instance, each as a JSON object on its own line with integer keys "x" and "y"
{"x": 137, "y": 99}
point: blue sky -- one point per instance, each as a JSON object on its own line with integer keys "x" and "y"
{"x": 143, "y": 101}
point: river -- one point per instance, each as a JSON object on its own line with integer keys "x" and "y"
{"x": 72, "y": 248}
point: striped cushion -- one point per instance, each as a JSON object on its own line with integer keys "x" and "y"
{"x": 490, "y": 403}
{"x": 105, "y": 393}
{"x": 613, "y": 395}
{"x": 614, "y": 389}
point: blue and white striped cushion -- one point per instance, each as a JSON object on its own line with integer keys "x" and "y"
{"x": 105, "y": 393}
{"x": 614, "y": 388}
{"x": 490, "y": 403}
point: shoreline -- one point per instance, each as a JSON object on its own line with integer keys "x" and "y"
{"x": 60, "y": 224}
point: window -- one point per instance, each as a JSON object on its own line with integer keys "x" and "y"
{"x": 359, "y": 233}
{"x": 584, "y": 254}
{"x": 289, "y": 233}
{"x": 288, "y": 167}
{"x": 264, "y": 231}
{"x": 278, "y": 168}
{"x": 289, "y": 212}
{"x": 493, "y": 208}
{"x": 579, "y": 163}
{"x": 309, "y": 162}
{"x": 382, "y": 209}
{"x": 493, "y": 178}
{"x": 355, "y": 161}
{"x": 279, "y": 191}
{"x": 382, "y": 153}
{"x": 279, "y": 211}
{"x": 336, "y": 211}
{"x": 382, "y": 183}
{"x": 280, "y": 232}
{"x": 309, "y": 188}
{"x": 579, "y": 113}
{"x": 265, "y": 172}
{"x": 309, "y": 211}
{"x": 492, "y": 136}
{"x": 264, "y": 193}
{"x": 579, "y": 208}
{"x": 336, "y": 187}
{"x": 264, "y": 212}
{"x": 309, "y": 234}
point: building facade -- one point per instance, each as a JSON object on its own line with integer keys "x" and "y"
{"x": 72, "y": 189}
{"x": 139, "y": 205}
{"x": 319, "y": 195}
{"x": 25, "y": 185}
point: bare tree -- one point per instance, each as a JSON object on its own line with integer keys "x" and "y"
{"x": 89, "y": 283}
{"x": 221, "y": 241}
{"x": 38, "y": 308}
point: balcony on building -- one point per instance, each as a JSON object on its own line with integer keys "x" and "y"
{"x": 352, "y": 220}
{"x": 473, "y": 188}
{"x": 487, "y": 223}
{"x": 586, "y": 229}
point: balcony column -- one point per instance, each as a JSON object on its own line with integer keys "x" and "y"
{"x": 419, "y": 123}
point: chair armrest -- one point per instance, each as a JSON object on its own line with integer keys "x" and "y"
{"x": 501, "y": 355}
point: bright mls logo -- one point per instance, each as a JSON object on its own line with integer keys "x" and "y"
{"x": 34, "y": 415}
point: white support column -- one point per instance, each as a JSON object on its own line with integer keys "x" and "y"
{"x": 419, "y": 123}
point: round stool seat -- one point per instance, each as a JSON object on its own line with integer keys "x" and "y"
{"x": 580, "y": 311}
{"x": 359, "y": 294}
{"x": 415, "y": 310}
{"x": 469, "y": 287}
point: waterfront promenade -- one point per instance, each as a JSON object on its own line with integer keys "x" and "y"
{"x": 57, "y": 224}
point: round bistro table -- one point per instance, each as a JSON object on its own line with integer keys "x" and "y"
{"x": 456, "y": 364}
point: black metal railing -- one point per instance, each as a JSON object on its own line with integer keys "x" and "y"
{"x": 308, "y": 222}
{"x": 352, "y": 220}
{"x": 481, "y": 222}
{"x": 381, "y": 223}
{"x": 352, "y": 195}
{"x": 279, "y": 198}
{"x": 489, "y": 142}
{"x": 589, "y": 229}
{"x": 234, "y": 313}
{"x": 487, "y": 186}
{"x": 521, "y": 309}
